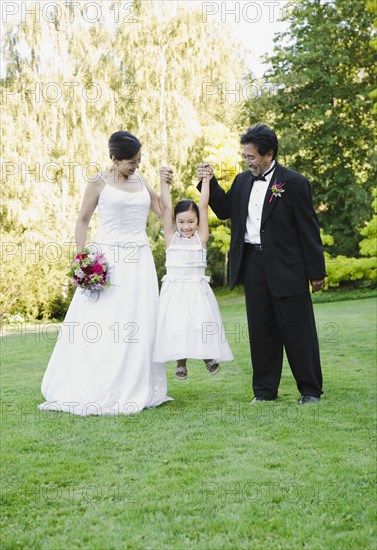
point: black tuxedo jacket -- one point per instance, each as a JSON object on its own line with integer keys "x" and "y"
{"x": 292, "y": 249}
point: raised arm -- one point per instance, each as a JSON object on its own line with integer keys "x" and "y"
{"x": 166, "y": 175}
{"x": 88, "y": 205}
{"x": 203, "y": 210}
{"x": 219, "y": 201}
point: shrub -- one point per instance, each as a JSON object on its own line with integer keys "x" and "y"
{"x": 342, "y": 269}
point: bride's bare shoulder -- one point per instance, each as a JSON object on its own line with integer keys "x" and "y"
{"x": 99, "y": 180}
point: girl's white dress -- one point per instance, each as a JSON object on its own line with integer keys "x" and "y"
{"x": 102, "y": 362}
{"x": 189, "y": 323}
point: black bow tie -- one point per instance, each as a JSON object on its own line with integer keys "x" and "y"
{"x": 263, "y": 178}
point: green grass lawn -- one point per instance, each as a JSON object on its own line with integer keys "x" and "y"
{"x": 207, "y": 471}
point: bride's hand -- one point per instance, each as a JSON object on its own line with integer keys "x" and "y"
{"x": 166, "y": 174}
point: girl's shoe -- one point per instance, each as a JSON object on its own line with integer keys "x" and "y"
{"x": 213, "y": 367}
{"x": 181, "y": 373}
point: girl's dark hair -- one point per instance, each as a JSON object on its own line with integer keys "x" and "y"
{"x": 185, "y": 206}
{"x": 263, "y": 138}
{"x": 123, "y": 145}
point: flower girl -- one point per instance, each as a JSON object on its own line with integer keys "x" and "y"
{"x": 189, "y": 323}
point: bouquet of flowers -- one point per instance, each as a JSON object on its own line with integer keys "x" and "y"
{"x": 90, "y": 271}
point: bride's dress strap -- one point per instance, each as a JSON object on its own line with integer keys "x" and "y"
{"x": 142, "y": 183}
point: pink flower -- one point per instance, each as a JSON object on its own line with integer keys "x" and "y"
{"x": 90, "y": 271}
{"x": 97, "y": 268}
{"x": 80, "y": 257}
{"x": 276, "y": 190}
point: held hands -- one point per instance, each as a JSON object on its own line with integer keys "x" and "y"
{"x": 166, "y": 175}
{"x": 318, "y": 285}
{"x": 205, "y": 171}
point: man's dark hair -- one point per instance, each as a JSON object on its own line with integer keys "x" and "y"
{"x": 263, "y": 138}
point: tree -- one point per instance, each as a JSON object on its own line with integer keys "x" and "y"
{"x": 372, "y": 7}
{"x": 322, "y": 73}
{"x": 368, "y": 245}
{"x": 344, "y": 271}
{"x": 219, "y": 146}
{"x": 68, "y": 84}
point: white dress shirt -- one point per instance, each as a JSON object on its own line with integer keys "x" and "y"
{"x": 256, "y": 200}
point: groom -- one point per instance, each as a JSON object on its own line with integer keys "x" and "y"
{"x": 275, "y": 250}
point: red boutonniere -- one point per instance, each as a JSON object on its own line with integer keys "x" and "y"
{"x": 276, "y": 190}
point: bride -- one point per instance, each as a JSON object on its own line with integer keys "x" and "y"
{"x": 102, "y": 361}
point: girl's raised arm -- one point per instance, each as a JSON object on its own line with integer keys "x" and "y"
{"x": 166, "y": 175}
{"x": 203, "y": 210}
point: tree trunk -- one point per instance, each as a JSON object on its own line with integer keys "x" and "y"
{"x": 226, "y": 269}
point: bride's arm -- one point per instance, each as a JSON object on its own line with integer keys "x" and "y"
{"x": 88, "y": 205}
{"x": 155, "y": 198}
{"x": 156, "y": 204}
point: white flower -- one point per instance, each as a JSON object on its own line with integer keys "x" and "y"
{"x": 79, "y": 273}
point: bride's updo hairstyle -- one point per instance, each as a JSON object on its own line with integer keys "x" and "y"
{"x": 123, "y": 145}
{"x": 185, "y": 206}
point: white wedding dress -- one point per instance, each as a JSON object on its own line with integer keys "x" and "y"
{"x": 102, "y": 362}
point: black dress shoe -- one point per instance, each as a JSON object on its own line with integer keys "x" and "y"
{"x": 257, "y": 399}
{"x": 308, "y": 399}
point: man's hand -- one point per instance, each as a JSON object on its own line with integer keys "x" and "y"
{"x": 166, "y": 175}
{"x": 318, "y": 285}
{"x": 205, "y": 170}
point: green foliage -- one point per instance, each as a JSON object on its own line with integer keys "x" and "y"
{"x": 368, "y": 245}
{"x": 322, "y": 73}
{"x": 345, "y": 294}
{"x": 217, "y": 265}
{"x": 158, "y": 247}
{"x": 343, "y": 270}
{"x": 221, "y": 235}
{"x": 33, "y": 278}
{"x": 327, "y": 240}
{"x": 150, "y": 77}
{"x": 372, "y": 7}
{"x": 56, "y": 307}
{"x": 220, "y": 147}
{"x": 67, "y": 85}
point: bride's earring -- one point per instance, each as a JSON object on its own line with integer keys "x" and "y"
{"x": 115, "y": 163}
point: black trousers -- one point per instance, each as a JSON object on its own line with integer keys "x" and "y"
{"x": 276, "y": 324}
